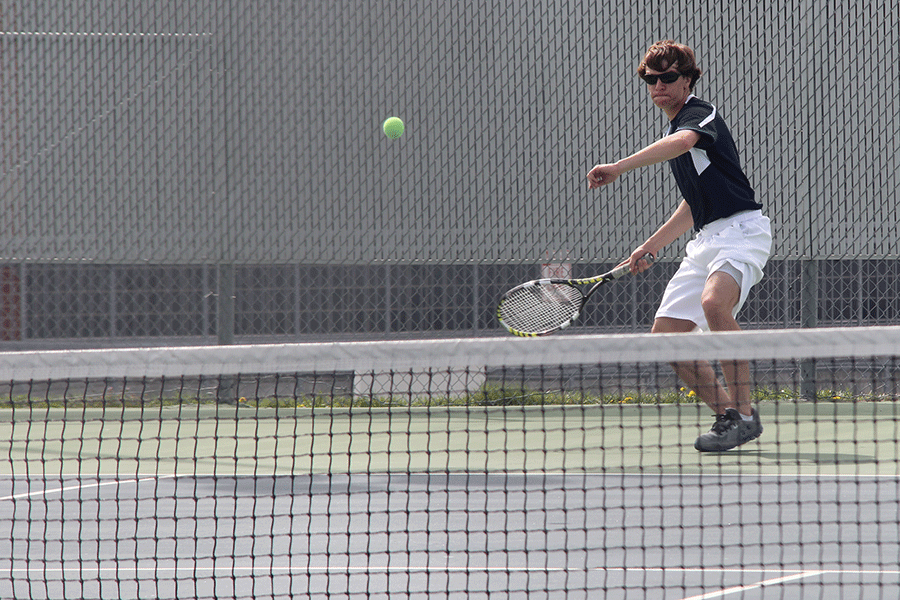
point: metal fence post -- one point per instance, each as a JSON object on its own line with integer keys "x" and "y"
{"x": 809, "y": 317}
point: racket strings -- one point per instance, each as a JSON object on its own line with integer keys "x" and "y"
{"x": 538, "y": 308}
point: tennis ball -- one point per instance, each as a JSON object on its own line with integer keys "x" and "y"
{"x": 393, "y": 127}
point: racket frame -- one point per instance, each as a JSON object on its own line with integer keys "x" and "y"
{"x": 597, "y": 281}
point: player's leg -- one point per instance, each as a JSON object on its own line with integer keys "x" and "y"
{"x": 680, "y": 312}
{"x": 697, "y": 375}
{"x": 720, "y": 295}
{"x": 739, "y": 423}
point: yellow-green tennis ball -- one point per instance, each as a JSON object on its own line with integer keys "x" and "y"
{"x": 393, "y": 128}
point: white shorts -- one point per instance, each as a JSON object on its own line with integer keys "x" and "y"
{"x": 738, "y": 245}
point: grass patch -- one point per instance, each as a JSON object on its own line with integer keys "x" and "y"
{"x": 487, "y": 396}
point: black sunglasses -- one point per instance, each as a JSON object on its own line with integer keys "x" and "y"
{"x": 667, "y": 77}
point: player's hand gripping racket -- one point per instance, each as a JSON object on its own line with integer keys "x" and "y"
{"x": 543, "y": 306}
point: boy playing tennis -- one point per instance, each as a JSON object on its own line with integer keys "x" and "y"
{"x": 732, "y": 241}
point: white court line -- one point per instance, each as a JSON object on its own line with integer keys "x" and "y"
{"x": 753, "y": 586}
{"x": 98, "y": 484}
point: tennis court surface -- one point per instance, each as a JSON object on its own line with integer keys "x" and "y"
{"x": 470, "y": 468}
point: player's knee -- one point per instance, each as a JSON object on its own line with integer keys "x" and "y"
{"x": 671, "y": 325}
{"x": 719, "y": 298}
{"x": 715, "y": 307}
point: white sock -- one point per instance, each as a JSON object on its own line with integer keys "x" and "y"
{"x": 747, "y": 417}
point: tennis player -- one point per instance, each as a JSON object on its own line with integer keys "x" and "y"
{"x": 730, "y": 246}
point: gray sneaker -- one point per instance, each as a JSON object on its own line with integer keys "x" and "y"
{"x": 729, "y": 431}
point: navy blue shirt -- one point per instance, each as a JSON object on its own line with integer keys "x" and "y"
{"x": 710, "y": 175}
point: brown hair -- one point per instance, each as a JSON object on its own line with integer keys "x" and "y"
{"x": 665, "y": 53}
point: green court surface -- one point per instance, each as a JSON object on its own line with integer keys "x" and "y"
{"x": 799, "y": 438}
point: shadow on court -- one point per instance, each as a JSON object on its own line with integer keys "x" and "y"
{"x": 821, "y": 458}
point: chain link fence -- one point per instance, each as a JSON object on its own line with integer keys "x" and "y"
{"x": 216, "y": 170}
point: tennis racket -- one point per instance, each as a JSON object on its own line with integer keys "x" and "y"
{"x": 543, "y": 306}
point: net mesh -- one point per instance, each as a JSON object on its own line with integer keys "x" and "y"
{"x": 503, "y": 468}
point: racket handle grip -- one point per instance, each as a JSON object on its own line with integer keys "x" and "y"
{"x": 626, "y": 269}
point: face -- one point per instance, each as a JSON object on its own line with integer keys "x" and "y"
{"x": 668, "y": 96}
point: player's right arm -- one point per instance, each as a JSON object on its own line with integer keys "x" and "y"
{"x": 675, "y": 226}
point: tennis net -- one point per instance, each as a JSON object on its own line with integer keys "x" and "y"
{"x": 495, "y": 467}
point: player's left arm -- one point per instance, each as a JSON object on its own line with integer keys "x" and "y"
{"x": 669, "y": 147}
